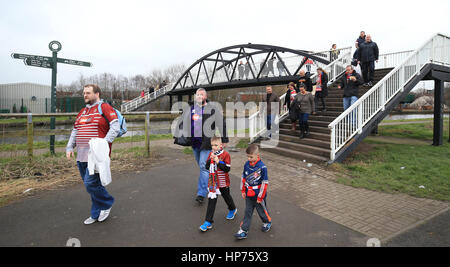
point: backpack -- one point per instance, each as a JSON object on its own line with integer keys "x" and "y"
{"x": 122, "y": 122}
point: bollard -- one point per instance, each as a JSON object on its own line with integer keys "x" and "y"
{"x": 147, "y": 133}
{"x": 30, "y": 135}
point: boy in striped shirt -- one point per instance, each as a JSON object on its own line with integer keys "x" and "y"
{"x": 218, "y": 164}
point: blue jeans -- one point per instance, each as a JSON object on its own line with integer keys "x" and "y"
{"x": 200, "y": 157}
{"x": 348, "y": 101}
{"x": 270, "y": 120}
{"x": 101, "y": 199}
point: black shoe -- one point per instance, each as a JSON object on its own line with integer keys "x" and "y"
{"x": 199, "y": 199}
{"x": 302, "y": 135}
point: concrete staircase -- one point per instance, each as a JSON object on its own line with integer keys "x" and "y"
{"x": 316, "y": 147}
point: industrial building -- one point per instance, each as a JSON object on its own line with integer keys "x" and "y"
{"x": 25, "y": 97}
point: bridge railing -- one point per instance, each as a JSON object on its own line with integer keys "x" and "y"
{"x": 391, "y": 60}
{"x": 352, "y": 120}
{"x": 257, "y": 120}
{"x": 142, "y": 100}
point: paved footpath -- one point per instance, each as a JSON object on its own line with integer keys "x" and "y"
{"x": 157, "y": 208}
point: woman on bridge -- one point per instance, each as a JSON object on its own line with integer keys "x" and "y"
{"x": 304, "y": 102}
{"x": 291, "y": 92}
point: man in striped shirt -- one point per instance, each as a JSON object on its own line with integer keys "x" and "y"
{"x": 91, "y": 124}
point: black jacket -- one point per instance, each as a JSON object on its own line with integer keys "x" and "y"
{"x": 368, "y": 52}
{"x": 287, "y": 99}
{"x": 307, "y": 82}
{"x": 209, "y": 111}
{"x": 350, "y": 87}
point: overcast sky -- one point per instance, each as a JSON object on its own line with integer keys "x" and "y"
{"x": 133, "y": 37}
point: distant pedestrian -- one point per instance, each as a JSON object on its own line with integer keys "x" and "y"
{"x": 291, "y": 93}
{"x": 361, "y": 39}
{"x": 367, "y": 55}
{"x": 263, "y": 67}
{"x": 350, "y": 82}
{"x": 305, "y": 106}
{"x": 269, "y": 98}
{"x": 270, "y": 66}
{"x": 321, "y": 89}
{"x": 306, "y": 80}
{"x": 280, "y": 67}
{"x": 309, "y": 62}
{"x": 241, "y": 70}
{"x": 246, "y": 70}
{"x": 334, "y": 53}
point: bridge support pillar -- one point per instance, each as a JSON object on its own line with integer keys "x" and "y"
{"x": 170, "y": 101}
{"x": 438, "y": 123}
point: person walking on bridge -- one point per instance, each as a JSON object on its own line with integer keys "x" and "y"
{"x": 90, "y": 123}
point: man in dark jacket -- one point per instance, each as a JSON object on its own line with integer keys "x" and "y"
{"x": 306, "y": 80}
{"x": 268, "y": 98}
{"x": 361, "y": 39}
{"x": 201, "y": 135}
{"x": 350, "y": 82}
{"x": 367, "y": 55}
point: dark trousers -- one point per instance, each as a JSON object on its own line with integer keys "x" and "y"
{"x": 261, "y": 209}
{"x": 318, "y": 97}
{"x": 368, "y": 69}
{"x": 225, "y": 192}
{"x": 303, "y": 122}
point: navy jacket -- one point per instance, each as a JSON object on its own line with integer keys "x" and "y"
{"x": 368, "y": 52}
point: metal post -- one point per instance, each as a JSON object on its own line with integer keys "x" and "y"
{"x": 438, "y": 123}
{"x": 53, "y": 101}
{"x": 30, "y": 135}
{"x": 147, "y": 133}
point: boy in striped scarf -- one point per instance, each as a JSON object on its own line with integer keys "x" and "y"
{"x": 218, "y": 163}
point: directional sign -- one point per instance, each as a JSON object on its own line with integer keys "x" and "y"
{"x": 38, "y": 63}
{"x": 24, "y": 56}
{"x": 74, "y": 62}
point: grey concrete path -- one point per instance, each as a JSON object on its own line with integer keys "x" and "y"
{"x": 157, "y": 208}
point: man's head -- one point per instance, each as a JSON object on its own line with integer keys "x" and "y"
{"x": 252, "y": 153}
{"x": 240, "y": 62}
{"x": 368, "y": 38}
{"x": 333, "y": 46}
{"x": 302, "y": 73}
{"x": 268, "y": 89}
{"x": 216, "y": 143}
{"x": 349, "y": 69}
{"x": 201, "y": 96}
{"x": 362, "y": 34}
{"x": 91, "y": 93}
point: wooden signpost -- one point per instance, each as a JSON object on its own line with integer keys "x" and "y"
{"x": 50, "y": 63}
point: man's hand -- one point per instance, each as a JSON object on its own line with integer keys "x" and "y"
{"x": 70, "y": 154}
{"x": 243, "y": 195}
{"x": 339, "y": 87}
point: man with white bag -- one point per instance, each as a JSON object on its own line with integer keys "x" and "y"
{"x": 90, "y": 124}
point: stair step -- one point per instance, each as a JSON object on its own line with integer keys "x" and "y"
{"x": 306, "y": 141}
{"x": 318, "y": 133}
{"x": 318, "y": 151}
{"x": 297, "y": 154}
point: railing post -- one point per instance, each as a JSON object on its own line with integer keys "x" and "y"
{"x": 432, "y": 50}
{"x": 360, "y": 117}
{"x": 333, "y": 143}
{"x": 402, "y": 78}
{"x": 30, "y": 135}
{"x": 382, "y": 96}
{"x": 147, "y": 133}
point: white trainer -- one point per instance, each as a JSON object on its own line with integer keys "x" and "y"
{"x": 104, "y": 214}
{"x": 89, "y": 221}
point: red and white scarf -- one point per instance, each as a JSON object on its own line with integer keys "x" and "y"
{"x": 213, "y": 178}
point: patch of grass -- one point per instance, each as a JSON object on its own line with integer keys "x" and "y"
{"x": 243, "y": 143}
{"x": 401, "y": 168}
{"x": 188, "y": 150}
{"x": 423, "y": 131}
{"x": 41, "y": 145}
{"x": 35, "y": 119}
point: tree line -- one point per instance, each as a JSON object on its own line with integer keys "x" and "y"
{"x": 121, "y": 87}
